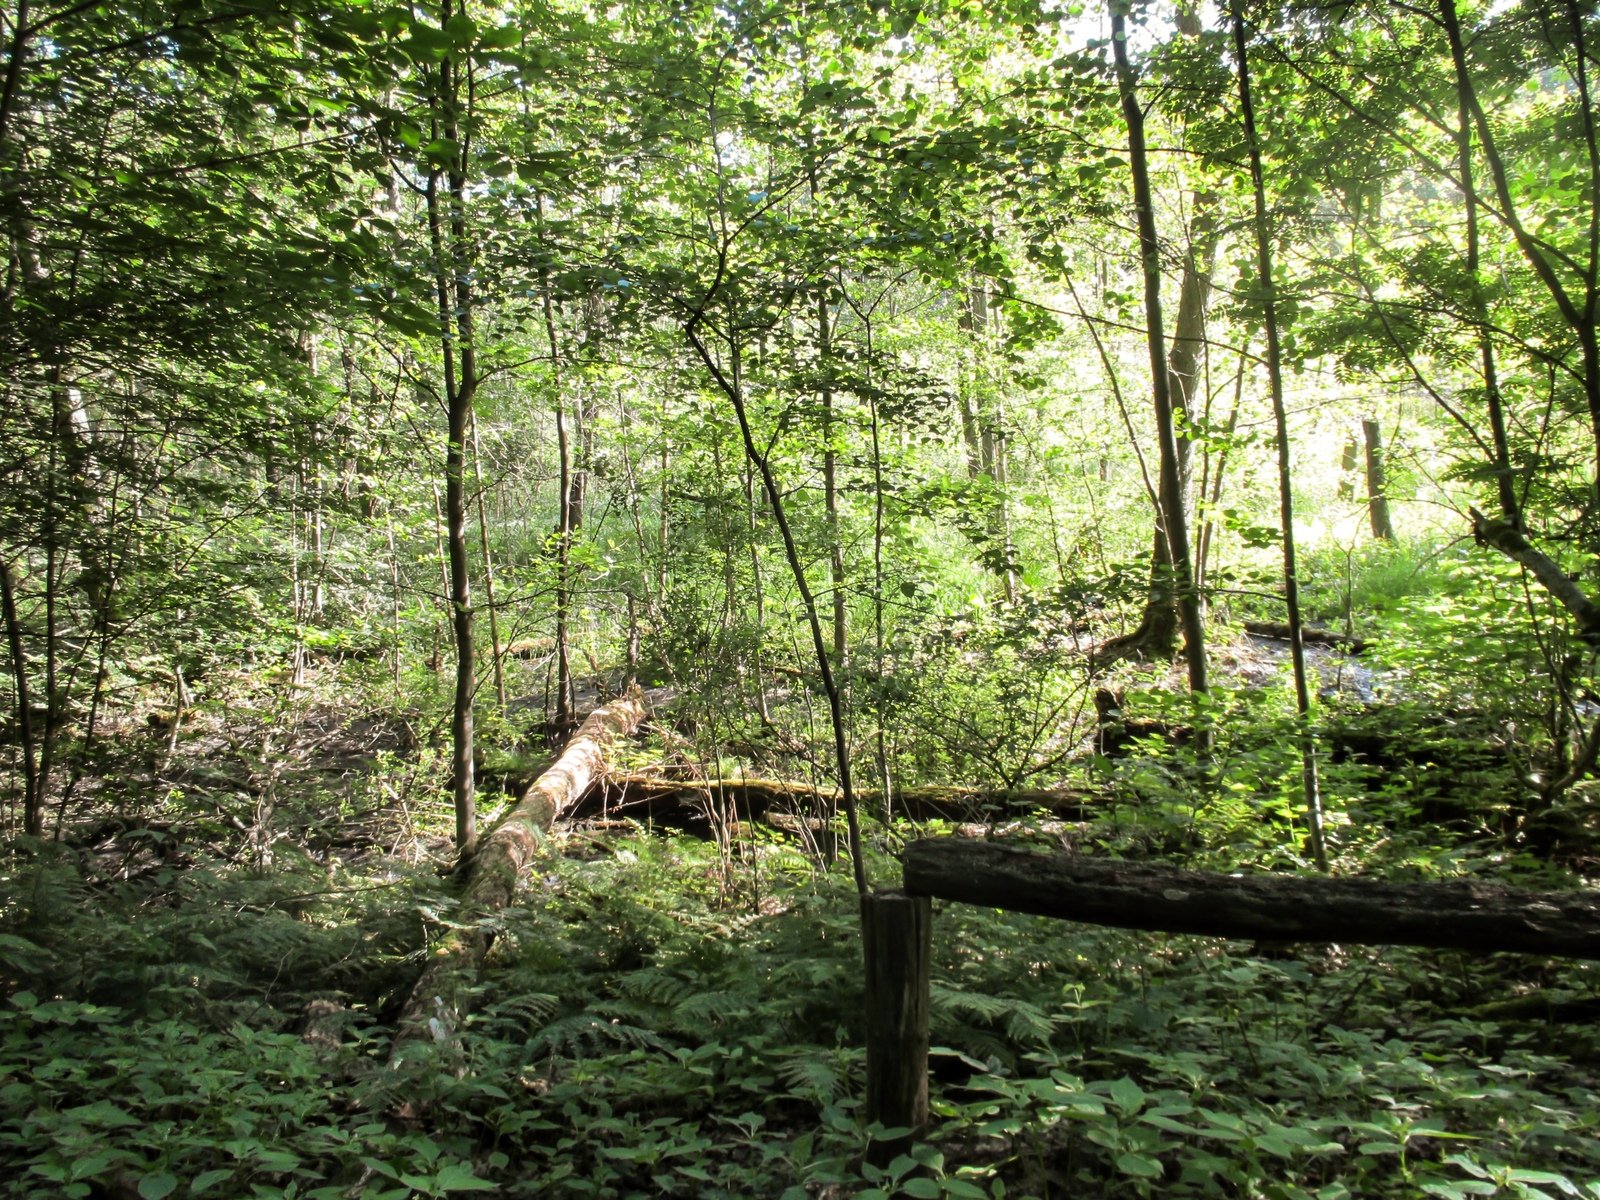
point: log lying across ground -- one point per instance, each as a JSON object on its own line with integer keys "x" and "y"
{"x": 443, "y": 993}
{"x": 1296, "y": 908}
{"x": 1311, "y": 635}
{"x": 752, "y": 799}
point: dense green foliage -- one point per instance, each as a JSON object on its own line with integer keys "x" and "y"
{"x": 384, "y": 384}
{"x": 647, "y": 1034}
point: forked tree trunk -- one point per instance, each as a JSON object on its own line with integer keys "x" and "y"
{"x": 444, "y": 994}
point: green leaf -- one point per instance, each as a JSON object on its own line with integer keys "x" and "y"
{"x": 426, "y": 44}
{"x": 206, "y": 1179}
{"x": 962, "y": 1190}
{"x": 920, "y": 1187}
{"x": 1140, "y": 1165}
{"x": 462, "y": 30}
{"x": 1127, "y": 1095}
{"x": 458, "y": 1177}
{"x": 157, "y": 1185}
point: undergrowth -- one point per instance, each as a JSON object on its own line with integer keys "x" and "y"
{"x": 641, "y": 1034}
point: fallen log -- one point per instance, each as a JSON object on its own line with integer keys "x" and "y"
{"x": 1296, "y": 908}
{"x": 1311, "y": 635}
{"x": 752, "y": 798}
{"x": 443, "y": 993}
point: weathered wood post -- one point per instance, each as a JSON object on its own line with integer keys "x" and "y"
{"x": 897, "y": 930}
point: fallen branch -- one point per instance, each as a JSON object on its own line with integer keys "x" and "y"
{"x": 1295, "y": 908}
{"x": 443, "y": 994}
{"x": 752, "y": 799}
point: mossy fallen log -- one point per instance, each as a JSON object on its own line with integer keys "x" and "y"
{"x": 443, "y": 993}
{"x": 1297, "y": 908}
{"x": 746, "y": 798}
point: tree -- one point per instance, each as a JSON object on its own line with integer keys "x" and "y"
{"x": 1172, "y": 512}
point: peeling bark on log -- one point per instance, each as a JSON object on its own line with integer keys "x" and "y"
{"x": 1296, "y": 908}
{"x": 443, "y": 994}
{"x": 751, "y": 799}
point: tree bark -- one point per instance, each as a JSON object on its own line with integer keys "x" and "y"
{"x": 1310, "y": 785}
{"x": 1173, "y": 518}
{"x": 1301, "y": 908}
{"x": 453, "y": 274}
{"x": 897, "y": 932}
{"x": 1377, "y": 482}
{"x": 443, "y": 995}
{"x": 752, "y": 798}
{"x": 1510, "y": 507}
{"x": 1504, "y": 537}
{"x": 33, "y": 799}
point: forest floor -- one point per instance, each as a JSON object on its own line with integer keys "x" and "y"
{"x": 201, "y": 982}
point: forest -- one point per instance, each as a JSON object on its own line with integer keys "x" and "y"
{"x": 523, "y": 523}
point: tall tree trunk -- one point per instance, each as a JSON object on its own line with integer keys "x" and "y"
{"x": 1505, "y": 486}
{"x": 730, "y": 386}
{"x": 1291, "y": 581}
{"x": 1173, "y": 518}
{"x": 453, "y": 273}
{"x": 1377, "y": 482}
{"x": 488, "y": 574}
{"x": 32, "y": 799}
{"x": 983, "y": 432}
{"x": 830, "y": 478}
{"x": 566, "y": 697}
{"x": 758, "y": 587}
{"x": 1579, "y": 312}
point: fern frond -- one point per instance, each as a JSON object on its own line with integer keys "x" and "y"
{"x": 1028, "y": 1024}
{"x": 948, "y": 1001}
{"x": 655, "y": 986}
{"x": 711, "y": 1008}
{"x": 810, "y": 1078}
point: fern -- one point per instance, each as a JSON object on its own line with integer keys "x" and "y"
{"x": 1027, "y": 1023}
{"x": 711, "y": 1008}
{"x": 945, "y": 1000}
{"x": 821, "y": 1079}
{"x": 656, "y": 986}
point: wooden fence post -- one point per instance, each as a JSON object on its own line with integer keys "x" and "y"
{"x": 897, "y": 931}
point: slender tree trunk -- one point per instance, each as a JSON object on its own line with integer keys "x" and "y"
{"x": 880, "y": 739}
{"x": 1291, "y": 581}
{"x": 1174, "y": 520}
{"x": 983, "y": 432}
{"x": 1505, "y": 486}
{"x": 394, "y": 600}
{"x": 1579, "y": 313}
{"x": 566, "y": 699}
{"x": 1212, "y": 495}
{"x": 453, "y": 267}
{"x": 1377, "y": 482}
{"x": 488, "y": 574}
{"x": 830, "y": 480}
{"x": 808, "y": 601}
{"x": 758, "y": 586}
{"x": 32, "y": 799}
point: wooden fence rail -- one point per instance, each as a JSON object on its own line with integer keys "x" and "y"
{"x": 1477, "y": 917}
